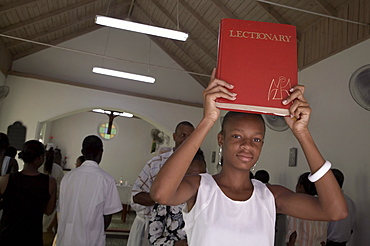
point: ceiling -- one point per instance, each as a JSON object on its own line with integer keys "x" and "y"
{"x": 29, "y": 27}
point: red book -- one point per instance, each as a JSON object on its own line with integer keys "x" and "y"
{"x": 260, "y": 60}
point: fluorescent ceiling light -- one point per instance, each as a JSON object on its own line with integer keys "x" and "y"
{"x": 142, "y": 28}
{"x": 103, "y": 111}
{"x": 124, "y": 75}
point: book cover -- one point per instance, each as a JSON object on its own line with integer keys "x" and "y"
{"x": 260, "y": 60}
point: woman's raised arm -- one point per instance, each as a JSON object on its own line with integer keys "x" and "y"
{"x": 170, "y": 187}
{"x": 330, "y": 204}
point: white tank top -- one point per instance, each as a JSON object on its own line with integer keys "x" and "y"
{"x": 215, "y": 219}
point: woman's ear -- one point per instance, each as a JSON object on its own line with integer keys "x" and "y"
{"x": 220, "y": 139}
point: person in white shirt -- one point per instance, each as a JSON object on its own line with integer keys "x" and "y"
{"x": 88, "y": 198}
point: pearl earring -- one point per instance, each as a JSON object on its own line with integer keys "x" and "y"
{"x": 220, "y": 155}
{"x": 252, "y": 169}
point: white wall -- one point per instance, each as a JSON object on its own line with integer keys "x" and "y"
{"x": 124, "y": 155}
{"x": 33, "y": 101}
{"x": 342, "y": 127}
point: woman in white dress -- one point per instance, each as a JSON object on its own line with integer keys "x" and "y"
{"x": 229, "y": 208}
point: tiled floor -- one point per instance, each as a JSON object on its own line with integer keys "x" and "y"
{"x": 118, "y": 231}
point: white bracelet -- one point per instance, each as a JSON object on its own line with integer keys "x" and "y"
{"x": 320, "y": 173}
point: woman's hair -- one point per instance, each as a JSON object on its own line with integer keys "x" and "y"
{"x": 339, "y": 176}
{"x": 199, "y": 156}
{"x": 263, "y": 176}
{"x": 10, "y": 151}
{"x": 49, "y": 160}
{"x": 81, "y": 158}
{"x": 231, "y": 114}
{"x": 308, "y": 186}
{"x": 4, "y": 141}
{"x": 31, "y": 150}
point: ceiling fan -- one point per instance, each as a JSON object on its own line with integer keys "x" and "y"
{"x": 275, "y": 123}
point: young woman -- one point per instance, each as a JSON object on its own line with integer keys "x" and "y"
{"x": 228, "y": 208}
{"x": 26, "y": 195}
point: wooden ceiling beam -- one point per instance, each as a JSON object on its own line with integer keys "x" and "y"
{"x": 193, "y": 40}
{"x": 55, "y": 42}
{"x": 45, "y": 16}
{"x": 176, "y": 43}
{"x": 272, "y": 13}
{"x": 130, "y": 8}
{"x": 199, "y": 18}
{"x": 17, "y": 4}
{"x": 225, "y": 10}
{"x": 5, "y": 59}
{"x": 275, "y": 15}
{"x": 71, "y": 23}
{"x": 327, "y": 7}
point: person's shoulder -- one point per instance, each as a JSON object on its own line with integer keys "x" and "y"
{"x": 4, "y": 179}
{"x": 13, "y": 161}
{"x": 106, "y": 176}
{"x": 52, "y": 181}
{"x": 158, "y": 160}
{"x": 205, "y": 179}
{"x": 58, "y": 167}
{"x": 257, "y": 182}
{"x": 276, "y": 189}
{"x": 68, "y": 174}
{"x": 349, "y": 201}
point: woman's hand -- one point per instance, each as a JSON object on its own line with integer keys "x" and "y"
{"x": 300, "y": 110}
{"x": 216, "y": 89}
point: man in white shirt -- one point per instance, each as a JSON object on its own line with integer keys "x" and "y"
{"x": 88, "y": 198}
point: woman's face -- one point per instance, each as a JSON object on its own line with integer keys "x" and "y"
{"x": 242, "y": 141}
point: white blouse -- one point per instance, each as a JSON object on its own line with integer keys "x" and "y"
{"x": 216, "y": 219}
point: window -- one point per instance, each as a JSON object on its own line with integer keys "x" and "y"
{"x": 103, "y": 131}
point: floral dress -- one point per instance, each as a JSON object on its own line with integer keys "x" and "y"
{"x": 166, "y": 225}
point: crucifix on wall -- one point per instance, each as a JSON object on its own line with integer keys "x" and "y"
{"x": 111, "y": 117}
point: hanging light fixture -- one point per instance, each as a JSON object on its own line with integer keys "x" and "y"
{"x": 141, "y": 28}
{"x": 124, "y": 75}
{"x": 114, "y": 113}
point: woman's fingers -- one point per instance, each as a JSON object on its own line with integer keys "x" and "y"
{"x": 221, "y": 91}
{"x": 296, "y": 93}
{"x": 218, "y": 82}
{"x": 300, "y": 109}
{"x": 219, "y": 88}
{"x": 216, "y": 89}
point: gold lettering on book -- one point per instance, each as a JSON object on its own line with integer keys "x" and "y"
{"x": 259, "y": 35}
{"x": 279, "y": 89}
